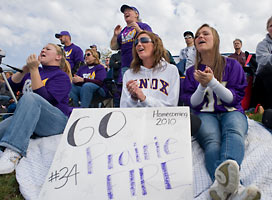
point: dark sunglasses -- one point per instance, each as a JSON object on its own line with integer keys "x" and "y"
{"x": 87, "y": 54}
{"x": 142, "y": 40}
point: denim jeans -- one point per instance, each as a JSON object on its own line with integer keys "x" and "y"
{"x": 123, "y": 70}
{"x": 33, "y": 114}
{"x": 222, "y": 137}
{"x": 85, "y": 94}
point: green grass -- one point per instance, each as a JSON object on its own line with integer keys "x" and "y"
{"x": 9, "y": 188}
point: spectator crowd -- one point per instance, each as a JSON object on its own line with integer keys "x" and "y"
{"x": 142, "y": 73}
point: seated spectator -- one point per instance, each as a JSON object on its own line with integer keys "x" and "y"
{"x": 88, "y": 81}
{"x": 150, "y": 81}
{"x": 262, "y": 91}
{"x": 5, "y": 95}
{"x": 214, "y": 88}
{"x": 44, "y": 104}
{"x": 107, "y": 64}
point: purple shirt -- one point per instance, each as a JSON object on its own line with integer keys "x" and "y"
{"x": 233, "y": 79}
{"x": 57, "y": 86}
{"x": 125, "y": 41}
{"x": 95, "y": 74}
{"x": 74, "y": 54}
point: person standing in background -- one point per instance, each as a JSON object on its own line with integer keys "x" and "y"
{"x": 188, "y": 54}
{"x": 238, "y": 54}
{"x": 74, "y": 53}
{"x": 123, "y": 38}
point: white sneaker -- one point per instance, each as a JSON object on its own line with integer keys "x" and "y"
{"x": 226, "y": 180}
{"x": 249, "y": 193}
{"x": 9, "y": 161}
{"x": 217, "y": 191}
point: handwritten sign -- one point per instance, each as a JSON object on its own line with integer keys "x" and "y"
{"x": 122, "y": 154}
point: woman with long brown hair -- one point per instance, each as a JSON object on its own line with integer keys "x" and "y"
{"x": 43, "y": 109}
{"x": 214, "y": 88}
{"x": 150, "y": 81}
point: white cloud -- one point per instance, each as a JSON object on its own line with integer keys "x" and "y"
{"x": 27, "y": 25}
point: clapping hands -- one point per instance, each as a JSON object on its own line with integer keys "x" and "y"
{"x": 204, "y": 77}
{"x": 134, "y": 90}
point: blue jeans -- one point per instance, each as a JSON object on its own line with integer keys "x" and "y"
{"x": 4, "y": 100}
{"x": 123, "y": 70}
{"x": 85, "y": 94}
{"x": 222, "y": 137}
{"x": 33, "y": 114}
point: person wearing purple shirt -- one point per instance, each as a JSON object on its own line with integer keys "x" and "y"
{"x": 214, "y": 88}
{"x": 43, "y": 109}
{"x": 123, "y": 38}
{"x": 74, "y": 54}
{"x": 89, "y": 80}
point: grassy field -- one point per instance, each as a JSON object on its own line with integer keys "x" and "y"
{"x": 9, "y": 189}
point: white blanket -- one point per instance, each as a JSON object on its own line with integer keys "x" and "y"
{"x": 255, "y": 169}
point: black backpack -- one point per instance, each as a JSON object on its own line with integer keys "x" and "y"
{"x": 267, "y": 118}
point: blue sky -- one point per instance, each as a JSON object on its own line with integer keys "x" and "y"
{"x": 27, "y": 25}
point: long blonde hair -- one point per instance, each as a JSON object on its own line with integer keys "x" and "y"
{"x": 64, "y": 64}
{"x": 218, "y": 60}
{"x": 159, "y": 52}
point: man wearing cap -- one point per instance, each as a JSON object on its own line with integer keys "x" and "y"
{"x": 188, "y": 54}
{"x": 123, "y": 38}
{"x": 95, "y": 48}
{"x": 74, "y": 54}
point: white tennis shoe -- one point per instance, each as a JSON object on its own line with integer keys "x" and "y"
{"x": 246, "y": 193}
{"x": 8, "y": 161}
{"x": 226, "y": 180}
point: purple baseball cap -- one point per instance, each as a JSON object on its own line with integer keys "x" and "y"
{"x": 123, "y": 7}
{"x": 57, "y": 35}
{"x": 93, "y": 45}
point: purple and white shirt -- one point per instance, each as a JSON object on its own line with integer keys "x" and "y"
{"x": 125, "y": 41}
{"x": 233, "y": 79}
{"x": 74, "y": 54}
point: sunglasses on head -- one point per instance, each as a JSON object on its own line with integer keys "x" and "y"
{"x": 142, "y": 40}
{"x": 61, "y": 48}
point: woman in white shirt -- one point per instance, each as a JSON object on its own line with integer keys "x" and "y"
{"x": 151, "y": 81}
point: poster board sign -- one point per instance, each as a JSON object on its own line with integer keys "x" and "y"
{"x": 123, "y": 154}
